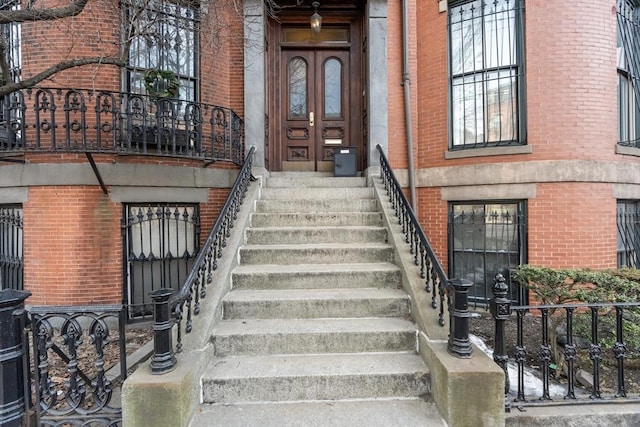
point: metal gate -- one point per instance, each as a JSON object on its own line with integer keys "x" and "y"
{"x": 161, "y": 242}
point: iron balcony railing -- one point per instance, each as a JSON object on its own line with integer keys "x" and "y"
{"x": 456, "y": 291}
{"x": 171, "y": 308}
{"x": 97, "y": 121}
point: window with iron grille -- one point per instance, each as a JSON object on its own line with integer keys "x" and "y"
{"x": 628, "y": 61}
{"x": 11, "y": 261}
{"x": 486, "y": 239}
{"x": 486, "y": 66}
{"x": 163, "y": 35}
{"x": 12, "y": 40}
{"x": 161, "y": 243}
{"x": 628, "y": 222}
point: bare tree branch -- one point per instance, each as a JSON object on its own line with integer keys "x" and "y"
{"x": 45, "y": 14}
{"x": 60, "y": 66}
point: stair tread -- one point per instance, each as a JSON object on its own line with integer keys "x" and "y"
{"x": 315, "y": 268}
{"x": 407, "y": 412}
{"x": 296, "y": 365}
{"x": 358, "y": 245}
{"x": 316, "y": 325}
{"x": 247, "y": 295}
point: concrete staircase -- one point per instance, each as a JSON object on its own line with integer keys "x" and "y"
{"x": 316, "y": 330}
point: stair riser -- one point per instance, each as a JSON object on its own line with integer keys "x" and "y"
{"x": 342, "y": 205}
{"x": 315, "y": 280}
{"x": 316, "y": 219}
{"x": 315, "y": 388}
{"x": 316, "y": 193}
{"x": 380, "y": 307}
{"x": 336, "y": 235}
{"x": 260, "y": 255}
{"x": 315, "y": 182}
{"x": 301, "y": 343}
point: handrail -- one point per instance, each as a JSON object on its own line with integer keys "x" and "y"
{"x": 430, "y": 268}
{"x": 69, "y": 120}
{"x": 173, "y": 308}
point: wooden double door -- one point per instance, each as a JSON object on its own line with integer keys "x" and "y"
{"x": 315, "y": 91}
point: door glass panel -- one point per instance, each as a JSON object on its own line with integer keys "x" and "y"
{"x": 333, "y": 88}
{"x": 297, "y": 88}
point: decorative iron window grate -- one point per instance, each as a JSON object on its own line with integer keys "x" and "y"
{"x": 628, "y": 221}
{"x": 486, "y": 73}
{"x": 162, "y": 35}
{"x": 161, "y": 243}
{"x": 484, "y": 240}
{"x": 628, "y": 61}
{"x": 11, "y": 261}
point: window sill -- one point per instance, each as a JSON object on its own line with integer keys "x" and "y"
{"x": 627, "y": 151}
{"x": 489, "y": 151}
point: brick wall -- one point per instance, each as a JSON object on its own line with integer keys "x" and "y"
{"x": 72, "y": 246}
{"x": 571, "y": 114}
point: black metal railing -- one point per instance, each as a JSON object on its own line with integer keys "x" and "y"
{"x": 576, "y": 342}
{"x": 95, "y": 121}
{"x": 69, "y": 372}
{"x": 11, "y": 258}
{"x": 456, "y": 291}
{"x": 178, "y": 308}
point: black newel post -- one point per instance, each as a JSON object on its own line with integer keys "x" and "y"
{"x": 459, "y": 343}
{"x": 500, "y": 307}
{"x": 163, "y": 359}
{"x": 12, "y": 352}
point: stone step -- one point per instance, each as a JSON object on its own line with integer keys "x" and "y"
{"x": 329, "y": 205}
{"x": 322, "y": 234}
{"x": 320, "y": 219}
{"x": 290, "y": 181}
{"x": 316, "y": 276}
{"x": 408, "y": 412}
{"x": 312, "y": 336}
{"x": 323, "y": 253}
{"x": 301, "y": 193}
{"x": 315, "y": 303}
{"x": 314, "y": 377}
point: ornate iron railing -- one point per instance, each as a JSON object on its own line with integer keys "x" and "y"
{"x": 71, "y": 372}
{"x": 580, "y": 353}
{"x": 96, "y": 121}
{"x": 455, "y": 292}
{"x": 181, "y": 306}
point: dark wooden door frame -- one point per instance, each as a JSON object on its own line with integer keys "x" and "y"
{"x": 276, "y": 105}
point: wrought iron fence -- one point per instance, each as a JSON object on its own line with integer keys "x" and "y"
{"x": 11, "y": 260}
{"x": 574, "y": 346}
{"x": 455, "y": 292}
{"x": 86, "y": 120}
{"x": 61, "y": 366}
{"x": 179, "y": 307}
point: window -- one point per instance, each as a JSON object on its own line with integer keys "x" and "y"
{"x": 12, "y": 41}
{"x": 11, "y": 261}
{"x": 628, "y": 221}
{"x": 484, "y": 240}
{"x": 628, "y": 61}
{"x": 163, "y": 35}
{"x": 161, "y": 243}
{"x": 486, "y": 73}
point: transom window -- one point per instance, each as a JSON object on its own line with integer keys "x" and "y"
{"x": 163, "y": 35}
{"x": 628, "y": 61}
{"x": 628, "y": 221}
{"x": 486, "y": 73}
{"x": 484, "y": 240}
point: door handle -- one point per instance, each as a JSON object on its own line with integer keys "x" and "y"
{"x": 311, "y": 119}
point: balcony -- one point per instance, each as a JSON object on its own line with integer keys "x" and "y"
{"x": 55, "y": 120}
